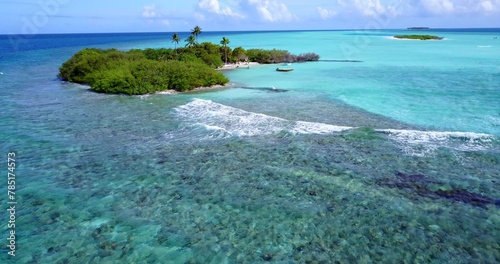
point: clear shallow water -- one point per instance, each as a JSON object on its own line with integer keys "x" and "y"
{"x": 232, "y": 175}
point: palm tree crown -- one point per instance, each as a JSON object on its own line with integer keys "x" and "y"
{"x": 224, "y": 42}
{"x": 195, "y": 32}
{"x": 191, "y": 41}
{"x": 176, "y": 39}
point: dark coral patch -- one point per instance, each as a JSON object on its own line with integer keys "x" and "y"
{"x": 420, "y": 184}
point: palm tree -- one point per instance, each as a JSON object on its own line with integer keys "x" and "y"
{"x": 191, "y": 41}
{"x": 195, "y": 32}
{"x": 176, "y": 39}
{"x": 224, "y": 42}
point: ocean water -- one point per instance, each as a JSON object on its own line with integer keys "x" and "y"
{"x": 384, "y": 151}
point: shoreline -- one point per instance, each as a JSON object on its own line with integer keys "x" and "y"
{"x": 226, "y": 67}
{"x": 197, "y": 89}
{"x": 394, "y": 38}
{"x": 233, "y": 66}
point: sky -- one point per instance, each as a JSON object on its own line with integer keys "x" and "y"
{"x": 103, "y": 16}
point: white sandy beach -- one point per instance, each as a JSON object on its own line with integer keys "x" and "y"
{"x": 242, "y": 65}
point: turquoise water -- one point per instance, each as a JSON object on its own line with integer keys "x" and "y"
{"x": 394, "y": 157}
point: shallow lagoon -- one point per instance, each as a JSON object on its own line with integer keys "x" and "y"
{"x": 249, "y": 175}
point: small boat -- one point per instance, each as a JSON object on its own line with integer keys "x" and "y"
{"x": 284, "y": 69}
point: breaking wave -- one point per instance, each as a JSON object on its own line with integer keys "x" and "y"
{"x": 226, "y": 121}
{"x": 205, "y": 119}
{"x": 422, "y": 143}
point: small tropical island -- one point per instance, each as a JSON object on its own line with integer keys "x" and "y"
{"x": 138, "y": 72}
{"x": 418, "y": 37}
{"x": 418, "y": 28}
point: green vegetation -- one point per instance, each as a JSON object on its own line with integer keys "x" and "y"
{"x": 147, "y": 71}
{"x": 224, "y": 42}
{"x": 191, "y": 41}
{"x": 277, "y": 56}
{"x": 418, "y": 37}
{"x": 418, "y": 28}
{"x": 142, "y": 71}
{"x": 195, "y": 32}
{"x": 175, "y": 39}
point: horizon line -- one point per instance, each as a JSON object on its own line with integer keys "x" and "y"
{"x": 253, "y": 30}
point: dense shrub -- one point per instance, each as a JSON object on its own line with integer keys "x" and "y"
{"x": 150, "y": 70}
{"x": 118, "y": 80}
{"x": 78, "y": 67}
{"x": 419, "y": 37}
{"x": 140, "y": 72}
{"x": 161, "y": 54}
{"x": 306, "y": 57}
{"x": 276, "y": 56}
{"x": 239, "y": 54}
{"x": 259, "y": 55}
{"x": 207, "y": 52}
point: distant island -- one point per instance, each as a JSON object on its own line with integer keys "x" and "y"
{"x": 418, "y": 37}
{"x": 418, "y": 28}
{"x": 137, "y": 72}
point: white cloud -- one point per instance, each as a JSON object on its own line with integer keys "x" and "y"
{"x": 460, "y": 6}
{"x": 439, "y": 6}
{"x": 369, "y": 7}
{"x": 325, "y": 13}
{"x": 213, "y": 6}
{"x": 199, "y": 17}
{"x": 209, "y": 5}
{"x": 272, "y": 11}
{"x": 374, "y": 8}
{"x": 149, "y": 11}
{"x": 153, "y": 15}
{"x": 489, "y": 5}
{"x": 165, "y": 22}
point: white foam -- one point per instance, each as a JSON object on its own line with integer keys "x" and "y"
{"x": 422, "y": 143}
{"x": 210, "y": 120}
{"x": 237, "y": 122}
{"x": 302, "y": 127}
